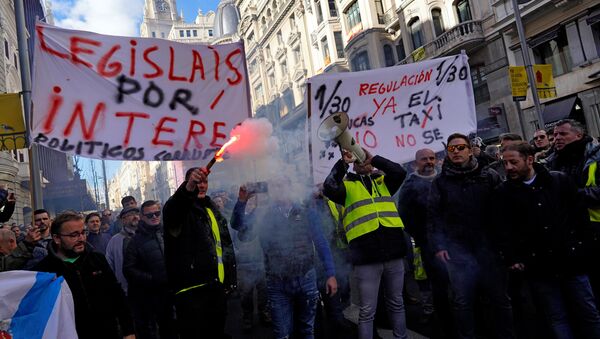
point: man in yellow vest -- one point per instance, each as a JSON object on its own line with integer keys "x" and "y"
{"x": 375, "y": 234}
{"x": 199, "y": 258}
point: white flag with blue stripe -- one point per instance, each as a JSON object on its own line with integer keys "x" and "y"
{"x": 35, "y": 305}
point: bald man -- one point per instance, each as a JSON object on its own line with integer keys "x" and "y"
{"x": 412, "y": 207}
{"x": 13, "y": 256}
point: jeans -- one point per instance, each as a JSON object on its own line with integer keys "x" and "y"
{"x": 248, "y": 282}
{"x": 368, "y": 278}
{"x": 467, "y": 272}
{"x": 154, "y": 315}
{"x": 557, "y": 296}
{"x": 288, "y": 295}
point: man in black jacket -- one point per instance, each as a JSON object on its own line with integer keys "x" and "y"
{"x": 101, "y": 310}
{"x": 144, "y": 269}
{"x": 543, "y": 232}
{"x": 199, "y": 258}
{"x": 458, "y": 230}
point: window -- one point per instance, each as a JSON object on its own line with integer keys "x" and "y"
{"x": 325, "y": 51}
{"x": 438, "y": 21}
{"x": 284, "y": 69}
{"x": 555, "y": 51}
{"x": 258, "y": 93}
{"x": 272, "y": 79}
{"x": 16, "y": 61}
{"x": 332, "y": 8}
{"x": 188, "y": 33}
{"x": 400, "y": 50}
{"x": 293, "y": 23}
{"x": 195, "y": 33}
{"x": 6, "y": 49}
{"x": 268, "y": 52}
{"x": 463, "y": 10}
{"x": 379, "y": 8}
{"x": 353, "y": 15}
{"x": 319, "y": 12}
{"x": 210, "y": 32}
{"x": 162, "y": 35}
{"x": 388, "y": 53}
{"x": 280, "y": 38}
{"x": 297, "y": 57}
{"x": 361, "y": 62}
{"x": 154, "y": 34}
{"x": 480, "y": 87}
{"x": 416, "y": 35}
{"x": 596, "y": 34}
{"x": 181, "y": 34}
{"x": 339, "y": 44}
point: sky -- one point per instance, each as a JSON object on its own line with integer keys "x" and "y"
{"x": 113, "y": 17}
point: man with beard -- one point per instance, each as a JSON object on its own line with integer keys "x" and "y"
{"x": 199, "y": 258}
{"x": 412, "y": 207}
{"x": 144, "y": 268}
{"x": 129, "y": 216}
{"x": 41, "y": 221}
{"x": 543, "y": 228}
{"x": 99, "y": 240}
{"x": 577, "y": 154}
{"x": 100, "y": 307}
{"x": 458, "y": 230}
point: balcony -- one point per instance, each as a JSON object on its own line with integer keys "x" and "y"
{"x": 467, "y": 35}
{"x": 280, "y": 53}
{"x": 390, "y": 19}
{"x": 294, "y": 38}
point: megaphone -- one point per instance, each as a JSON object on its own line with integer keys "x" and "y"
{"x": 335, "y": 128}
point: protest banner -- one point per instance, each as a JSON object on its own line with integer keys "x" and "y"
{"x": 35, "y": 305}
{"x": 393, "y": 111}
{"x": 518, "y": 82}
{"x": 127, "y": 98}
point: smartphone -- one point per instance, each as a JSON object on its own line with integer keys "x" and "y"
{"x": 257, "y": 187}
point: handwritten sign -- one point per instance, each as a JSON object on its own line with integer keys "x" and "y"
{"x": 126, "y": 98}
{"x": 393, "y": 111}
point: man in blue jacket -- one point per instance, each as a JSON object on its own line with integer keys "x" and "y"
{"x": 288, "y": 233}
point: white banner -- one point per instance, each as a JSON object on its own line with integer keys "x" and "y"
{"x": 127, "y": 98}
{"x": 393, "y": 111}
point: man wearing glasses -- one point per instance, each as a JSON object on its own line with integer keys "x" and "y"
{"x": 458, "y": 230}
{"x": 542, "y": 144}
{"x": 144, "y": 268}
{"x": 100, "y": 307}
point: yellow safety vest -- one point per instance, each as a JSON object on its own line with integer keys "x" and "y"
{"x": 591, "y": 182}
{"x": 337, "y": 211}
{"x": 219, "y": 249}
{"x": 364, "y": 212}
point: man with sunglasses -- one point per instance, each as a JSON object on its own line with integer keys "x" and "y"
{"x": 458, "y": 230}
{"x": 101, "y": 310}
{"x": 144, "y": 269}
{"x": 542, "y": 144}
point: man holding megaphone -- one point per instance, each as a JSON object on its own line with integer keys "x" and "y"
{"x": 374, "y": 232}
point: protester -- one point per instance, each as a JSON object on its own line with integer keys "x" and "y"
{"x": 505, "y": 139}
{"x": 577, "y": 154}
{"x": 374, "y": 232}
{"x": 250, "y": 273}
{"x": 41, "y": 219}
{"x": 18, "y": 234}
{"x": 412, "y": 207}
{"x": 147, "y": 288}
{"x": 8, "y": 201}
{"x": 115, "y": 250}
{"x": 117, "y": 226}
{"x": 199, "y": 258}
{"x": 330, "y": 216}
{"x": 458, "y": 230}
{"x": 100, "y": 307}
{"x": 543, "y": 146}
{"x": 97, "y": 239}
{"x": 544, "y": 227}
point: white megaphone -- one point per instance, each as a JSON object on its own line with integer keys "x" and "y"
{"x": 335, "y": 128}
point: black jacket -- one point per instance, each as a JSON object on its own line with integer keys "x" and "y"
{"x": 100, "y": 306}
{"x": 412, "y": 206}
{"x": 190, "y": 253}
{"x": 460, "y": 209}
{"x": 144, "y": 262}
{"x": 543, "y": 225}
{"x": 385, "y": 243}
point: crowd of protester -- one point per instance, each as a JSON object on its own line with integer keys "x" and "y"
{"x": 501, "y": 241}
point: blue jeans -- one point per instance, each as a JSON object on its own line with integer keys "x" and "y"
{"x": 467, "y": 272}
{"x": 287, "y": 295}
{"x": 368, "y": 278}
{"x": 557, "y": 296}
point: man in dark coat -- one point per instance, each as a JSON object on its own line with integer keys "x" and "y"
{"x": 458, "y": 229}
{"x": 543, "y": 230}
{"x": 101, "y": 310}
{"x": 577, "y": 154}
{"x": 199, "y": 258}
{"x": 97, "y": 239}
{"x": 144, "y": 269}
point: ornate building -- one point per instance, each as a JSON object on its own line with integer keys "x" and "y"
{"x": 162, "y": 21}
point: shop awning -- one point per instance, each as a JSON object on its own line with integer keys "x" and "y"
{"x": 557, "y": 110}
